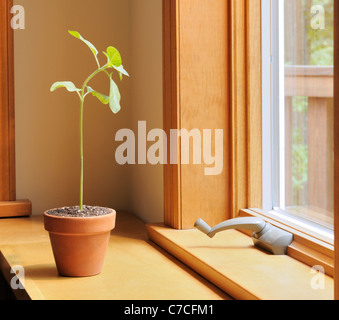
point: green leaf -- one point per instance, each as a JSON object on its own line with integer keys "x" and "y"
{"x": 121, "y": 71}
{"x": 114, "y": 97}
{"x": 101, "y": 97}
{"x": 113, "y": 57}
{"x": 114, "y": 61}
{"x": 65, "y": 84}
{"x": 90, "y": 45}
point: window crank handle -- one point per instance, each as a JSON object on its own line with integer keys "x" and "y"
{"x": 248, "y": 223}
{"x": 265, "y": 235}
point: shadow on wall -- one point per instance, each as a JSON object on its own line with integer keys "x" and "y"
{"x": 47, "y": 125}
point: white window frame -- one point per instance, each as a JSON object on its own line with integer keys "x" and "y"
{"x": 273, "y": 118}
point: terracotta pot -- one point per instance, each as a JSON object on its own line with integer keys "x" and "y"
{"x": 79, "y": 244}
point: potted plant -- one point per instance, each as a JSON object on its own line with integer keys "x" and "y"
{"x": 79, "y": 235}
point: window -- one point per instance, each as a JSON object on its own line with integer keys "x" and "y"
{"x": 251, "y": 173}
{"x": 298, "y": 112}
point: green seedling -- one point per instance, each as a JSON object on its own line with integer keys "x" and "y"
{"x": 113, "y": 99}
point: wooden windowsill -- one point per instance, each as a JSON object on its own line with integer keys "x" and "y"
{"x": 131, "y": 270}
{"x": 307, "y": 247}
{"x": 231, "y": 262}
{"x": 20, "y": 208}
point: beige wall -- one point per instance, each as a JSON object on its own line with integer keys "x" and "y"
{"x": 47, "y": 125}
{"x": 146, "y": 101}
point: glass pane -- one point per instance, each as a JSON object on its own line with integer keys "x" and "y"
{"x": 308, "y": 118}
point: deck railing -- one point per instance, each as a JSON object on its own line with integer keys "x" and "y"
{"x": 315, "y": 84}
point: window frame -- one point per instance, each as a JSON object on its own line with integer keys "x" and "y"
{"x": 7, "y": 181}
{"x": 308, "y": 246}
{"x": 245, "y": 59}
{"x": 336, "y": 147}
{"x": 181, "y": 110}
{"x": 273, "y": 86}
{"x": 244, "y": 133}
{"x": 9, "y": 205}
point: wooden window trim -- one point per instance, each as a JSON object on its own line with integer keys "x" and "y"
{"x": 243, "y": 129}
{"x": 9, "y": 206}
{"x": 246, "y": 75}
{"x": 192, "y": 101}
{"x": 243, "y": 58}
{"x": 336, "y": 146}
{"x": 244, "y": 52}
{"x": 172, "y": 187}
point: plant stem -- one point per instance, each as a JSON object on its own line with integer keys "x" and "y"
{"x": 82, "y": 99}
{"x": 81, "y": 154}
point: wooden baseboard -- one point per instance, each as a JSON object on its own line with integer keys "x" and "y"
{"x": 19, "y": 208}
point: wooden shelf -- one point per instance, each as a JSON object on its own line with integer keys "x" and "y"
{"x": 135, "y": 268}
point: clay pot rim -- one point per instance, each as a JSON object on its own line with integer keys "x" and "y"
{"x": 112, "y": 212}
{"x": 80, "y": 225}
